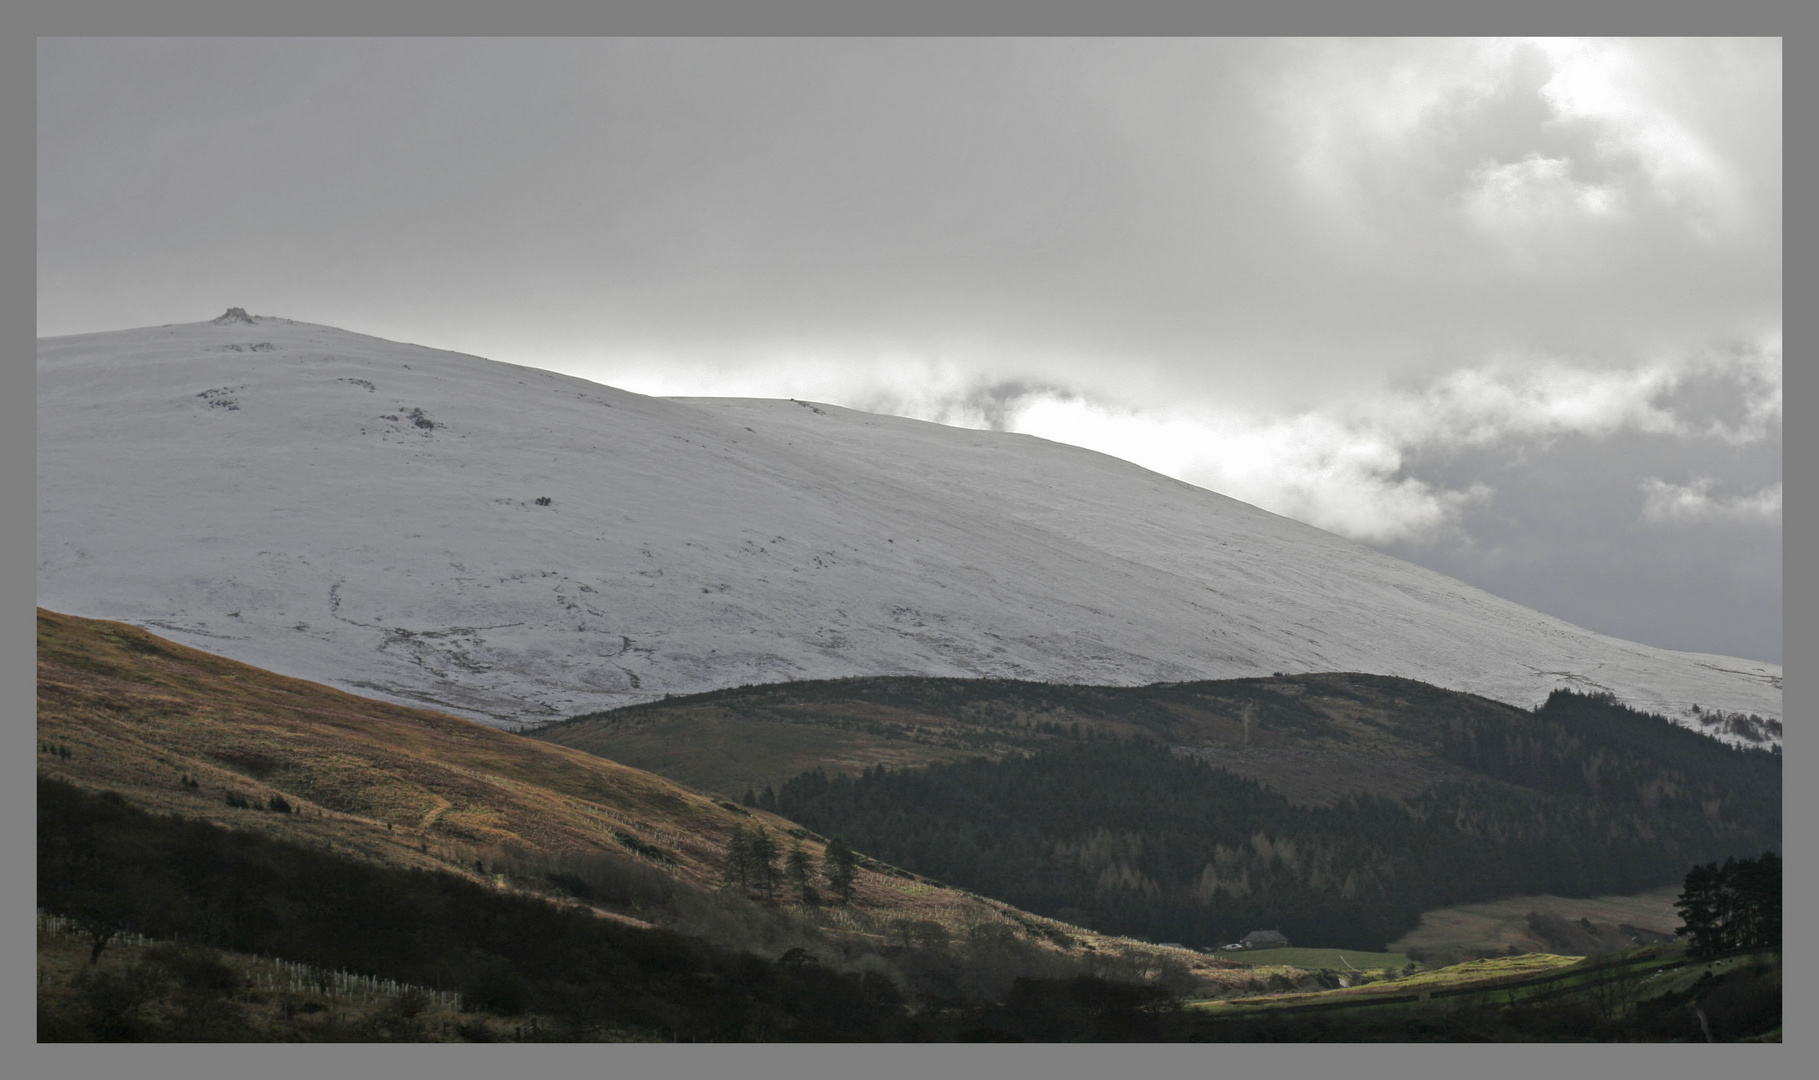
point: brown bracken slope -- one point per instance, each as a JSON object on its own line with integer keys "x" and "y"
{"x": 138, "y": 714}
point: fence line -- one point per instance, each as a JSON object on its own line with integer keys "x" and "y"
{"x": 277, "y": 975}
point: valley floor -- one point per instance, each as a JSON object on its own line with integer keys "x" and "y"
{"x": 1650, "y": 994}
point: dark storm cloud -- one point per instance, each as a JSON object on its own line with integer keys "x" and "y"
{"x": 1300, "y": 272}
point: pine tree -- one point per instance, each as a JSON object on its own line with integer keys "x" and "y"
{"x": 763, "y": 861}
{"x": 801, "y": 869}
{"x": 840, "y": 868}
{"x": 1758, "y": 883}
{"x": 739, "y": 857}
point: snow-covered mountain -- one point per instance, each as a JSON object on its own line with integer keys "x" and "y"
{"x": 515, "y": 545}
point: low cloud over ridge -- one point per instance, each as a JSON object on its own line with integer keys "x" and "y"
{"x": 1346, "y": 468}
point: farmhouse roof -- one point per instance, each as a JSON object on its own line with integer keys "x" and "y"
{"x": 1265, "y": 937}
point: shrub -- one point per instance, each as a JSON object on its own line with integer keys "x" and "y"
{"x": 113, "y": 1000}
{"x": 198, "y": 971}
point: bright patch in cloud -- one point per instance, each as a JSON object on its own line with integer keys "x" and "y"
{"x": 1612, "y": 85}
{"x": 1311, "y": 467}
{"x": 1343, "y": 468}
{"x": 1693, "y": 503}
{"x": 1382, "y": 127}
{"x": 1535, "y": 194}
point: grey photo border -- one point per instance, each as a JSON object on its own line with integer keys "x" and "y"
{"x": 41, "y": 18}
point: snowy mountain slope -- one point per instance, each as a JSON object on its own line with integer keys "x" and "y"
{"x": 366, "y": 514}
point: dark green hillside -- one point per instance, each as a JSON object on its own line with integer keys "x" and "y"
{"x": 1336, "y": 807}
{"x": 1579, "y": 797}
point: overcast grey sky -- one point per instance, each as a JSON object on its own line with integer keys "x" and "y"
{"x": 1508, "y": 309}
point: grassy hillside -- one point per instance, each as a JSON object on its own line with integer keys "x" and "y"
{"x": 1312, "y": 738}
{"x": 123, "y": 710}
{"x": 1543, "y": 924}
{"x": 410, "y": 787}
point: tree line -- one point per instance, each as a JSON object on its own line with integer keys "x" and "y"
{"x": 1731, "y": 908}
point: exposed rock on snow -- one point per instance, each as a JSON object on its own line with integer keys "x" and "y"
{"x": 514, "y": 545}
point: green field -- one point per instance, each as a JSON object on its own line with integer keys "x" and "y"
{"x": 1486, "y": 973}
{"x": 1315, "y": 959}
{"x": 1637, "y": 993}
{"x": 1496, "y": 925}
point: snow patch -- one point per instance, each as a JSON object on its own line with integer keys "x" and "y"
{"x": 733, "y": 540}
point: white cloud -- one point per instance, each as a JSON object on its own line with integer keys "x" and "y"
{"x": 1540, "y": 397}
{"x": 1536, "y": 194}
{"x": 1613, "y": 85}
{"x": 1311, "y": 467}
{"x": 1359, "y": 110}
{"x": 1340, "y": 466}
{"x": 1383, "y": 127}
{"x": 1343, "y": 467}
{"x": 1520, "y": 397}
{"x": 1758, "y": 373}
{"x": 1664, "y": 502}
